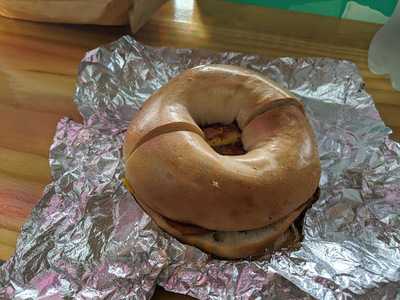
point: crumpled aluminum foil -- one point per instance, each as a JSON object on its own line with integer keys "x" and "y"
{"x": 88, "y": 239}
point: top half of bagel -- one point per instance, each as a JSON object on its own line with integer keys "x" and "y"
{"x": 176, "y": 173}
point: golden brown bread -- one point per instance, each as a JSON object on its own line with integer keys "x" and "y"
{"x": 176, "y": 174}
{"x": 234, "y": 244}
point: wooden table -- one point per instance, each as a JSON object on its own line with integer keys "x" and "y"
{"x": 38, "y": 66}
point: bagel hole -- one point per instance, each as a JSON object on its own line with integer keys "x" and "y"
{"x": 225, "y": 139}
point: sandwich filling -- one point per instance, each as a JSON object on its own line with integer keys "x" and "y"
{"x": 224, "y": 139}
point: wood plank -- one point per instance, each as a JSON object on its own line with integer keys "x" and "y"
{"x": 6, "y": 251}
{"x": 17, "y": 197}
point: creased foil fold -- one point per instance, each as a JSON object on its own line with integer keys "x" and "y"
{"x": 88, "y": 239}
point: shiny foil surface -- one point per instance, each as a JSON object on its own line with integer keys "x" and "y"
{"x": 88, "y": 239}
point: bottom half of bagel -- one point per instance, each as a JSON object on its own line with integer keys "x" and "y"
{"x": 284, "y": 233}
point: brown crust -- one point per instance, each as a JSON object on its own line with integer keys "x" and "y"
{"x": 281, "y": 234}
{"x": 232, "y": 245}
{"x": 178, "y": 175}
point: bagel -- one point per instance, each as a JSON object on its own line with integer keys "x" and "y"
{"x": 178, "y": 177}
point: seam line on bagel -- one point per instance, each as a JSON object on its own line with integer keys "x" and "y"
{"x": 164, "y": 129}
{"x": 276, "y": 104}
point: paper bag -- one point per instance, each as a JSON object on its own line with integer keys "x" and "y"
{"x": 100, "y": 12}
{"x": 141, "y": 11}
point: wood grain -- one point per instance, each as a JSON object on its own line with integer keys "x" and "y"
{"x": 38, "y": 66}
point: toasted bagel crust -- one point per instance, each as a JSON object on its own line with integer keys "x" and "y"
{"x": 178, "y": 175}
{"x": 233, "y": 244}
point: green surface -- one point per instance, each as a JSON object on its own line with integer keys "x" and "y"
{"x": 364, "y": 10}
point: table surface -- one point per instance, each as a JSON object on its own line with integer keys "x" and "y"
{"x": 38, "y": 67}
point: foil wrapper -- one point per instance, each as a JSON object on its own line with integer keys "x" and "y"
{"x": 88, "y": 239}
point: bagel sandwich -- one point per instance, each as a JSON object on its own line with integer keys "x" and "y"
{"x": 223, "y": 159}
